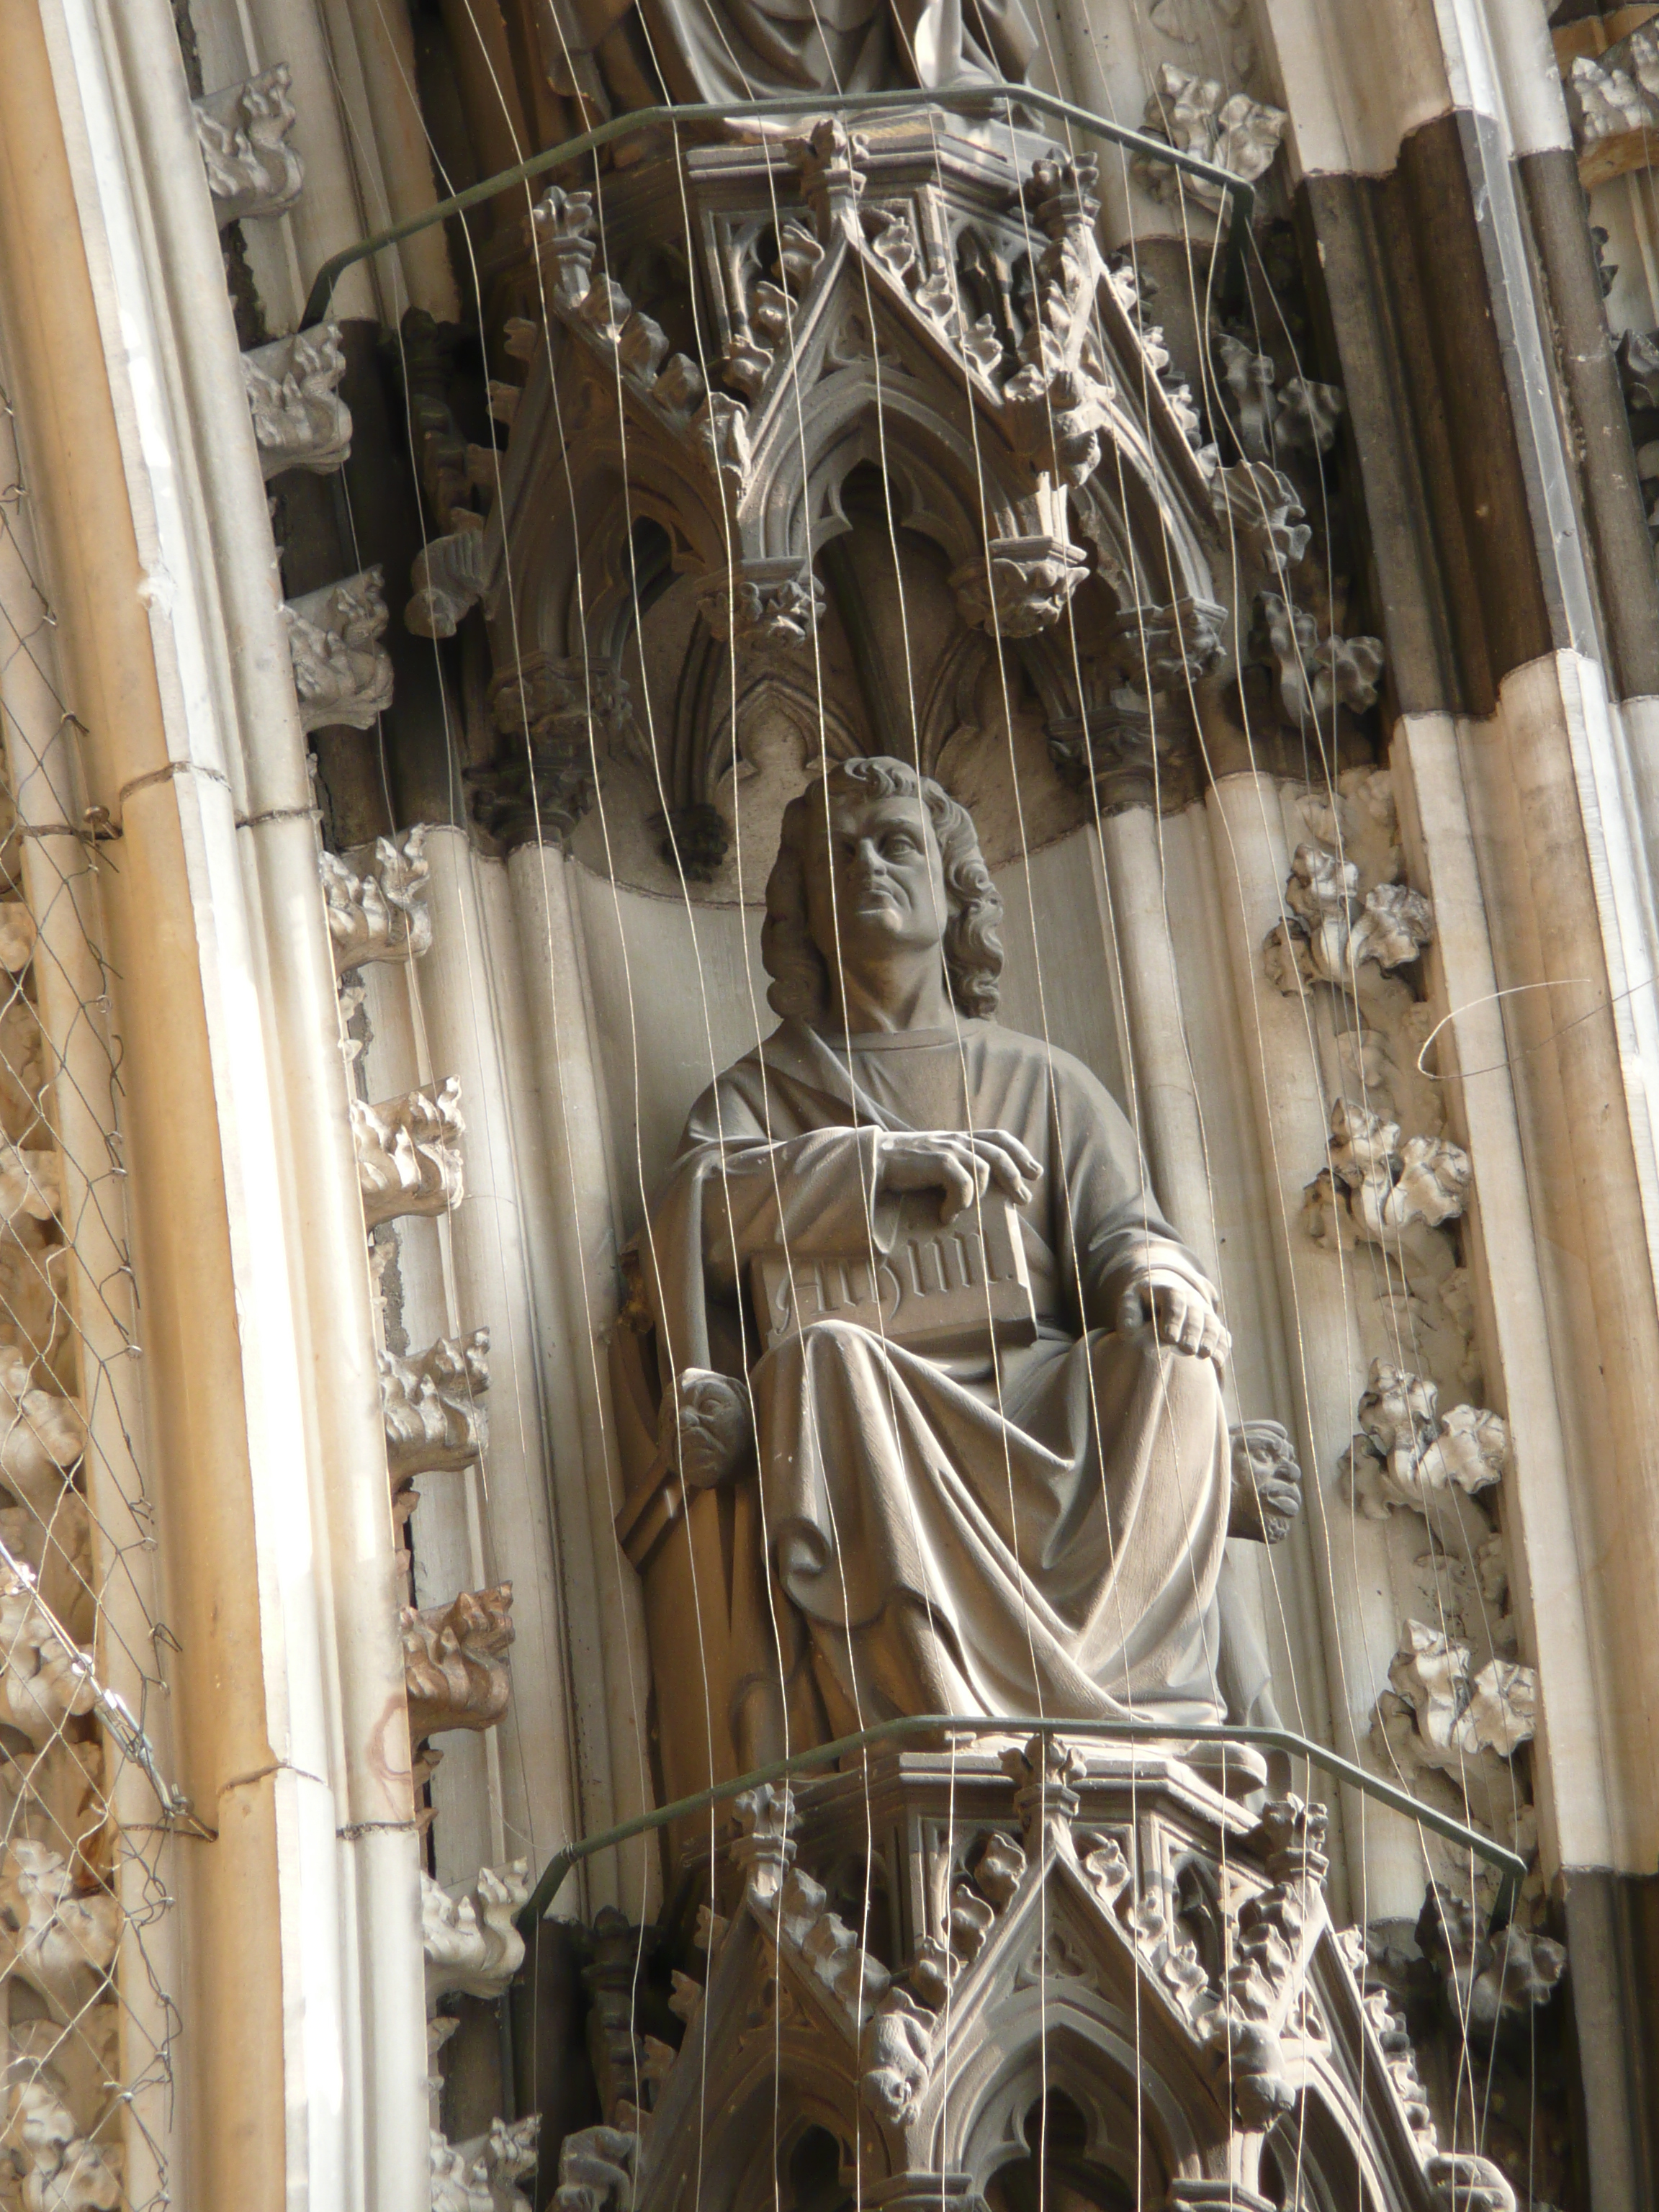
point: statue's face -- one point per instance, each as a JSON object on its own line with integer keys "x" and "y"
{"x": 876, "y": 884}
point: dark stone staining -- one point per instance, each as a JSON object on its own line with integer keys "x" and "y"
{"x": 1616, "y": 536}
{"x": 1451, "y": 521}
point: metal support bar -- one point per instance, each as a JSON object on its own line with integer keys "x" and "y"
{"x": 1512, "y": 1867}
{"x": 964, "y": 99}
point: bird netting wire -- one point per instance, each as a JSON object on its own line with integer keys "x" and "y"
{"x": 1329, "y": 774}
{"x": 86, "y": 2099}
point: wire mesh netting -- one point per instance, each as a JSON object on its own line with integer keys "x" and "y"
{"x": 85, "y": 1808}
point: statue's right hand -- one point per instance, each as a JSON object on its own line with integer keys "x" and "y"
{"x": 961, "y": 1166}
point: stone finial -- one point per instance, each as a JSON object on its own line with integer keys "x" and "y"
{"x": 409, "y": 1160}
{"x": 381, "y": 915}
{"x": 341, "y": 671}
{"x": 299, "y": 419}
{"x": 242, "y": 133}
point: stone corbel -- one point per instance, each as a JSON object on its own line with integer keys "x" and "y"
{"x": 1267, "y": 1482}
{"x": 409, "y": 1160}
{"x": 773, "y": 606}
{"x": 481, "y": 2174}
{"x": 552, "y": 713}
{"x": 596, "y": 2170}
{"x": 381, "y": 915}
{"x": 471, "y": 1945}
{"x": 432, "y": 1406}
{"x": 242, "y": 133}
{"x": 341, "y": 671}
{"x": 455, "y": 1673}
{"x": 1020, "y": 586}
{"x": 299, "y": 419}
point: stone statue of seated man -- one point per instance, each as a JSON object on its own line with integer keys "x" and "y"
{"x": 915, "y": 1301}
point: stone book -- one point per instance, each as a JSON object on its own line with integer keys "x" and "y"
{"x": 942, "y": 1289}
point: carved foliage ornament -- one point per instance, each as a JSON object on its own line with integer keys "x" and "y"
{"x": 299, "y": 419}
{"x": 381, "y": 915}
{"x": 242, "y": 132}
{"x": 409, "y": 1160}
{"x": 1195, "y": 114}
{"x": 341, "y": 671}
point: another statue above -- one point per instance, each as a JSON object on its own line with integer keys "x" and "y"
{"x": 919, "y": 1320}
{"x": 738, "y": 50}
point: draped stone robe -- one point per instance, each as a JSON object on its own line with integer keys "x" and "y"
{"x": 1039, "y": 1531}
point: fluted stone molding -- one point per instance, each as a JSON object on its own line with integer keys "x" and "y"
{"x": 471, "y": 1945}
{"x": 299, "y": 419}
{"x": 409, "y": 1157}
{"x": 455, "y": 1664}
{"x": 381, "y": 915}
{"x": 341, "y": 671}
{"x": 243, "y": 133}
{"x": 432, "y": 1405}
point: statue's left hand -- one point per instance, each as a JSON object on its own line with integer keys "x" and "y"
{"x": 1179, "y": 1313}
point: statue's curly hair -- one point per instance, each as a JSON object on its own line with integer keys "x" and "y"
{"x": 972, "y": 946}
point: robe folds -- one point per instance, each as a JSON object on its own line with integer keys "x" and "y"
{"x": 1038, "y": 1531}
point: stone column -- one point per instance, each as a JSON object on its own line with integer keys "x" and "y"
{"x": 610, "y": 1671}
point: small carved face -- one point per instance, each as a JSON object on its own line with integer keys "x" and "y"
{"x": 1266, "y": 1481}
{"x": 876, "y": 884}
